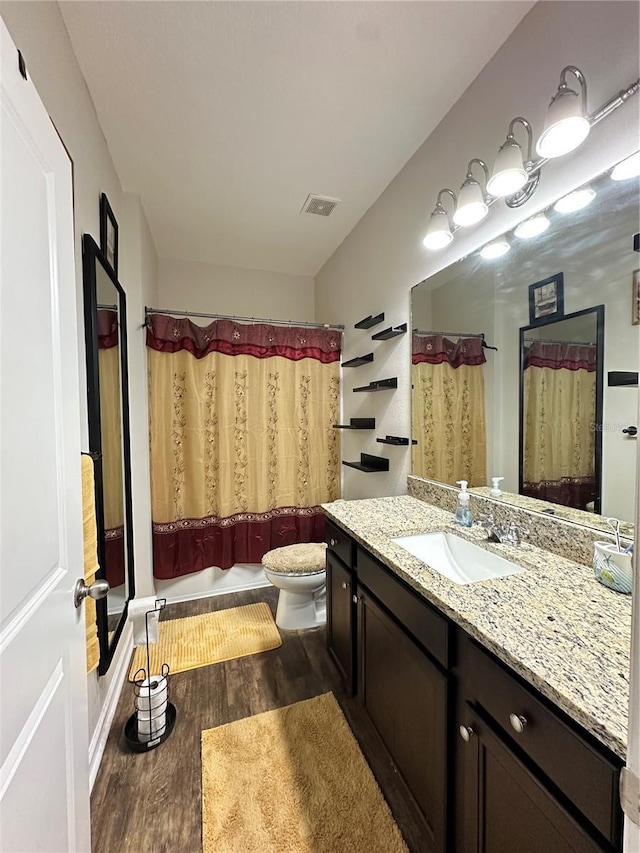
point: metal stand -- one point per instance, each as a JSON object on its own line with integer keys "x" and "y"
{"x": 144, "y": 684}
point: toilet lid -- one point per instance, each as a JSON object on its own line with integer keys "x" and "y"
{"x": 303, "y": 559}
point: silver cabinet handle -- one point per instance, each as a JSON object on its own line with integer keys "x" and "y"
{"x": 466, "y": 733}
{"x": 345, "y": 585}
{"x": 354, "y": 598}
{"x": 97, "y": 590}
{"x": 518, "y": 722}
{"x": 333, "y": 542}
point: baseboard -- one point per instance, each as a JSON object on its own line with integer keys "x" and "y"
{"x": 103, "y": 726}
{"x": 241, "y": 587}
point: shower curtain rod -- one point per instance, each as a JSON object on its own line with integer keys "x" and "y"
{"x": 451, "y": 334}
{"x": 188, "y": 314}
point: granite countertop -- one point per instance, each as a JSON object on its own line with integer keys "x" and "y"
{"x": 554, "y": 624}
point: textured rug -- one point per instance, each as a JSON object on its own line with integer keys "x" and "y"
{"x": 292, "y": 781}
{"x": 210, "y": 638}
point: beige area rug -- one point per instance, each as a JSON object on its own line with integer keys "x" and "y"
{"x": 210, "y": 638}
{"x": 292, "y": 781}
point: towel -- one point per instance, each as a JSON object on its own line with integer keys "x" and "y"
{"x": 90, "y": 535}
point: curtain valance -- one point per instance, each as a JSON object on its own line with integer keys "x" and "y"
{"x": 172, "y": 334}
{"x": 561, "y": 356}
{"x": 436, "y": 349}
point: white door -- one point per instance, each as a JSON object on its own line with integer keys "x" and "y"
{"x": 44, "y": 779}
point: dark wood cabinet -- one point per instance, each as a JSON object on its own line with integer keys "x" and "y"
{"x": 405, "y": 697}
{"x": 341, "y": 618}
{"x": 506, "y": 808}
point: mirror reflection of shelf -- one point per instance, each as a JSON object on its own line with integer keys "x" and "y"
{"x": 369, "y": 464}
{"x": 379, "y": 385}
{"x": 396, "y": 439}
{"x": 357, "y": 423}
{"x": 369, "y": 322}
{"x": 356, "y": 362}
{"x": 391, "y": 332}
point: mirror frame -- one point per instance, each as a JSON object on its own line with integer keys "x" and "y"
{"x": 91, "y": 255}
{"x": 598, "y": 310}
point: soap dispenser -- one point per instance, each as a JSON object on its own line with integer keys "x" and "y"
{"x": 496, "y": 491}
{"x": 463, "y": 512}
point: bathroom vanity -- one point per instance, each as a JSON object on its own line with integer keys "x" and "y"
{"x": 503, "y": 703}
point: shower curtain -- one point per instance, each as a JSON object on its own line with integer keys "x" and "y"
{"x": 448, "y": 409}
{"x": 559, "y": 420}
{"x": 242, "y": 445}
{"x": 111, "y": 440}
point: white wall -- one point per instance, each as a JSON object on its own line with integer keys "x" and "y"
{"x": 383, "y": 257}
{"x": 193, "y": 286}
{"x": 39, "y": 32}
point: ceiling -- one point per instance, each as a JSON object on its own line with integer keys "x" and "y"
{"x": 223, "y": 116}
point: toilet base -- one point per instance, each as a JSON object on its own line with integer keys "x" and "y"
{"x": 299, "y": 610}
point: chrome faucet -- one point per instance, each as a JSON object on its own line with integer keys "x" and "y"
{"x": 512, "y": 534}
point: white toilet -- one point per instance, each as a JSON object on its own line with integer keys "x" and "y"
{"x": 299, "y": 572}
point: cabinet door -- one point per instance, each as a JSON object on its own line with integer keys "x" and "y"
{"x": 405, "y": 697}
{"x": 340, "y": 618}
{"x": 505, "y": 807}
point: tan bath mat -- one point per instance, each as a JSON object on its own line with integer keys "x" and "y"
{"x": 210, "y": 638}
{"x": 292, "y": 781}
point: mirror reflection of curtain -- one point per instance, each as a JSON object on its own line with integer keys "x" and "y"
{"x": 448, "y": 409}
{"x": 111, "y": 436}
{"x": 559, "y": 418}
{"x": 243, "y": 448}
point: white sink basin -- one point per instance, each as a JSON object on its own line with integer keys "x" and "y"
{"x": 456, "y": 558}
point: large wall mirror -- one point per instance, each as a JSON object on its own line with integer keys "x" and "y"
{"x": 109, "y": 442}
{"x": 524, "y": 365}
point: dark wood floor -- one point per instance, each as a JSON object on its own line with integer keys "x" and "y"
{"x": 151, "y": 802}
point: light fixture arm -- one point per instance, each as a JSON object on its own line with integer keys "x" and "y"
{"x": 527, "y": 127}
{"x": 470, "y": 176}
{"x": 449, "y": 192}
{"x": 571, "y": 69}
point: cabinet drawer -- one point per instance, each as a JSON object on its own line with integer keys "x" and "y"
{"x": 340, "y": 543}
{"x": 428, "y": 627}
{"x": 584, "y": 775}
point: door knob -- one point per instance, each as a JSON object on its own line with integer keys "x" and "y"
{"x": 630, "y": 431}
{"x": 344, "y": 585}
{"x": 518, "y": 722}
{"x": 97, "y": 590}
{"x": 466, "y": 733}
{"x": 333, "y": 542}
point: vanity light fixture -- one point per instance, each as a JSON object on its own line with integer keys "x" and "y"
{"x": 532, "y": 227}
{"x": 496, "y": 249}
{"x": 509, "y": 172}
{"x": 439, "y": 231}
{"x": 575, "y": 200}
{"x": 515, "y": 179}
{"x": 567, "y": 123}
{"x": 629, "y": 168}
{"x": 471, "y": 207}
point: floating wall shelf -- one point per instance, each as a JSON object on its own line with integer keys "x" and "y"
{"x": 391, "y": 332}
{"x": 395, "y": 439}
{"x": 369, "y": 464}
{"x": 622, "y": 377}
{"x": 369, "y": 322}
{"x": 380, "y": 385}
{"x": 361, "y": 359}
{"x": 358, "y": 423}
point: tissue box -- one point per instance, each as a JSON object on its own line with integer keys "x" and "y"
{"x": 612, "y": 568}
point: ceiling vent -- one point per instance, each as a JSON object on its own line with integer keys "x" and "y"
{"x": 319, "y": 205}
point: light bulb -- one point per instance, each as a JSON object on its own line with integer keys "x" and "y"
{"x": 471, "y": 207}
{"x": 439, "y": 232}
{"x": 496, "y": 249}
{"x": 575, "y": 200}
{"x": 509, "y": 174}
{"x": 565, "y": 126}
{"x": 628, "y": 168}
{"x": 532, "y": 227}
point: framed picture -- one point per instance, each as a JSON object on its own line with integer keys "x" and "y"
{"x": 108, "y": 234}
{"x": 635, "y": 298}
{"x": 546, "y": 299}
